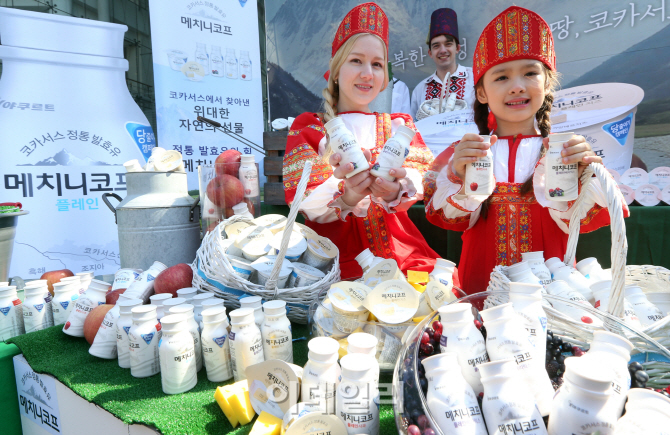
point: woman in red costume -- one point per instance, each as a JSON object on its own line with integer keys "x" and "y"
{"x": 362, "y": 211}
{"x": 514, "y": 74}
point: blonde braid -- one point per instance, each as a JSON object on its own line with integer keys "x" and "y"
{"x": 330, "y": 97}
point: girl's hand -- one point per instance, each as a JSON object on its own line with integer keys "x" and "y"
{"x": 357, "y": 187}
{"x": 467, "y": 151}
{"x": 577, "y": 150}
{"x": 388, "y": 190}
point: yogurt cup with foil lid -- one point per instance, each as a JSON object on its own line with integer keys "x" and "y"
{"x": 233, "y": 230}
{"x": 296, "y": 244}
{"x": 628, "y": 193}
{"x": 169, "y": 160}
{"x": 319, "y": 253}
{"x": 347, "y": 300}
{"x": 264, "y": 266}
{"x": 324, "y": 324}
{"x": 229, "y": 247}
{"x": 392, "y": 302}
{"x": 304, "y": 275}
{"x": 303, "y": 229}
{"x": 438, "y": 294}
{"x": 254, "y": 242}
{"x": 273, "y": 222}
{"x": 648, "y": 195}
{"x": 241, "y": 266}
{"x": 306, "y": 418}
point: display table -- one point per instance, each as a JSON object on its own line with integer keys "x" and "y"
{"x": 133, "y": 400}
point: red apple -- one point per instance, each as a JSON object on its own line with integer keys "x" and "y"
{"x": 174, "y": 278}
{"x": 225, "y": 191}
{"x": 94, "y": 320}
{"x": 55, "y": 276}
{"x": 113, "y": 296}
{"x": 228, "y": 162}
{"x": 474, "y": 186}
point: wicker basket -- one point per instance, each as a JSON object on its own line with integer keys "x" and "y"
{"x": 212, "y": 270}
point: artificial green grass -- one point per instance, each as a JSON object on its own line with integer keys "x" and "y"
{"x": 142, "y": 401}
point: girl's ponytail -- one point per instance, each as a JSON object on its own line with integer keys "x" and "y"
{"x": 481, "y": 111}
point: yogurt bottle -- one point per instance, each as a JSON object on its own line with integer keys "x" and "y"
{"x": 322, "y": 374}
{"x": 646, "y": 412}
{"x": 215, "y": 344}
{"x": 196, "y": 301}
{"x": 461, "y": 336}
{"x": 507, "y": 338}
{"x": 123, "y": 324}
{"x": 443, "y": 272}
{"x": 276, "y": 332}
{"x": 143, "y": 338}
{"x": 193, "y": 328}
{"x": 158, "y": 300}
{"x": 124, "y": 277}
{"x": 95, "y": 296}
{"x": 11, "y": 313}
{"x": 601, "y": 292}
{"x": 187, "y": 293}
{"x": 646, "y": 312}
{"x": 172, "y": 302}
{"x": 304, "y": 275}
{"x": 367, "y": 260}
{"x": 580, "y": 405}
{"x": 553, "y": 264}
{"x": 249, "y": 176}
{"x": 35, "y": 316}
{"x": 242, "y": 209}
{"x": 536, "y": 262}
{"x": 562, "y": 289}
{"x": 143, "y": 286}
{"x": 357, "y": 400}
{"x": 76, "y": 281}
{"x": 342, "y": 141}
{"x": 65, "y": 295}
{"x": 394, "y": 153}
{"x": 450, "y": 398}
{"x": 561, "y": 180}
{"x": 104, "y": 343}
{"x": 527, "y": 302}
{"x": 521, "y": 272}
{"x": 506, "y": 406}
{"x": 246, "y": 343}
{"x": 47, "y": 297}
{"x": 85, "y": 278}
{"x": 479, "y": 179}
{"x": 575, "y": 280}
{"x": 256, "y": 304}
{"x": 176, "y": 355}
{"x": 211, "y": 303}
{"x": 365, "y": 344}
{"x": 590, "y": 268}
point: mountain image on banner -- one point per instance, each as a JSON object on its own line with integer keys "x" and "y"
{"x": 66, "y": 158}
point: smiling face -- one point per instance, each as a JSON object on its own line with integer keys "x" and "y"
{"x": 443, "y": 51}
{"x": 514, "y": 91}
{"x": 362, "y": 74}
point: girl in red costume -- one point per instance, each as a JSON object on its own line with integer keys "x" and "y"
{"x": 514, "y": 74}
{"x": 362, "y": 211}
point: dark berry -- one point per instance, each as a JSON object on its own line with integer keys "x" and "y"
{"x": 556, "y": 352}
{"x": 642, "y": 377}
{"x": 437, "y": 337}
{"x": 425, "y": 338}
{"x": 483, "y": 331}
{"x": 413, "y": 430}
{"x": 552, "y": 369}
{"x": 549, "y": 356}
{"x": 424, "y": 384}
{"x": 429, "y": 431}
{"x": 577, "y": 351}
{"x": 567, "y": 347}
{"x": 427, "y": 349}
{"x": 550, "y": 334}
{"x": 430, "y": 332}
{"x": 560, "y": 359}
{"x": 635, "y": 366}
{"x": 557, "y": 341}
{"x": 422, "y": 422}
{"x": 437, "y": 326}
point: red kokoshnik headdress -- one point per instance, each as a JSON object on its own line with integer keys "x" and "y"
{"x": 516, "y": 33}
{"x": 365, "y": 18}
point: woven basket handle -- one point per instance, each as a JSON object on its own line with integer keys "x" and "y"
{"x": 619, "y": 243}
{"x": 271, "y": 283}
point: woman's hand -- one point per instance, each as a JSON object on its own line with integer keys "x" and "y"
{"x": 357, "y": 187}
{"x": 388, "y": 190}
{"x": 577, "y": 150}
{"x": 468, "y": 150}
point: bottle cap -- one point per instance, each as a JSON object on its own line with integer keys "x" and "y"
{"x": 362, "y": 257}
{"x": 648, "y": 399}
{"x": 173, "y": 302}
{"x": 518, "y": 289}
{"x": 143, "y": 312}
{"x": 606, "y": 337}
{"x": 456, "y": 313}
{"x": 74, "y": 278}
{"x": 355, "y": 366}
{"x": 445, "y": 264}
{"x": 159, "y": 298}
{"x": 157, "y": 151}
{"x": 133, "y": 166}
{"x": 99, "y": 286}
{"x": 158, "y": 266}
{"x": 126, "y": 305}
{"x": 561, "y": 137}
{"x": 632, "y": 290}
{"x": 323, "y": 349}
{"x": 553, "y": 263}
{"x": 587, "y": 375}
{"x": 362, "y": 342}
{"x": 240, "y": 208}
{"x": 214, "y": 315}
{"x": 174, "y": 323}
{"x": 442, "y": 361}
{"x": 61, "y": 287}
{"x": 187, "y": 293}
{"x": 518, "y": 268}
{"x": 248, "y": 158}
{"x": 198, "y": 299}
{"x": 497, "y": 313}
{"x": 185, "y": 309}
{"x": 251, "y": 302}
{"x": 9, "y": 290}
{"x": 406, "y": 131}
{"x": 503, "y": 367}
{"x": 558, "y": 287}
{"x": 33, "y": 291}
{"x": 335, "y": 122}
{"x": 604, "y": 285}
{"x": 38, "y": 283}
{"x": 212, "y": 302}
{"x": 242, "y": 316}
{"x": 586, "y": 263}
{"x": 274, "y": 308}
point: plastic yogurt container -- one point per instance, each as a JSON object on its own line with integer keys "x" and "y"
{"x": 347, "y": 300}
{"x": 296, "y": 245}
{"x": 394, "y": 301}
{"x": 264, "y": 266}
{"x": 304, "y": 275}
{"x": 241, "y": 266}
{"x": 319, "y": 253}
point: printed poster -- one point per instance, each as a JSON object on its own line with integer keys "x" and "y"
{"x": 37, "y": 397}
{"x": 206, "y": 58}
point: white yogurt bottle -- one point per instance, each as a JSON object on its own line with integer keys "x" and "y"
{"x": 394, "y": 153}
{"x": 575, "y": 280}
{"x": 612, "y": 352}
{"x": 536, "y": 262}
{"x": 553, "y": 264}
{"x": 450, "y": 397}
{"x": 246, "y": 72}
{"x": 357, "y": 401}
{"x": 304, "y": 275}
{"x": 246, "y": 343}
{"x": 521, "y": 272}
{"x": 647, "y": 312}
{"x": 366, "y": 259}
{"x": 479, "y": 179}
{"x": 661, "y": 300}
{"x": 187, "y": 293}
{"x": 124, "y": 277}
{"x": 104, "y": 344}
{"x": 527, "y": 302}
{"x": 647, "y": 412}
{"x": 123, "y": 324}
{"x": 95, "y": 296}
{"x": 211, "y": 303}
{"x": 242, "y": 209}
{"x": 507, "y": 338}
{"x": 47, "y": 298}
{"x": 133, "y": 166}
{"x": 196, "y": 301}
{"x": 11, "y": 313}
{"x": 158, "y": 300}
{"x": 76, "y": 280}
{"x": 322, "y": 373}
{"x": 276, "y": 332}
{"x": 249, "y": 176}
{"x": 231, "y": 64}
{"x": 602, "y": 290}
{"x": 443, "y": 272}
{"x": 176, "y": 355}
{"x": 461, "y": 336}
{"x": 193, "y": 328}
{"x": 562, "y": 289}
{"x": 85, "y": 278}
{"x": 143, "y": 338}
{"x": 561, "y": 180}
{"x": 506, "y": 405}
{"x": 65, "y": 295}
{"x": 590, "y": 268}
{"x": 155, "y": 153}
{"x": 143, "y": 286}
{"x": 580, "y": 406}
{"x": 365, "y": 344}
{"x": 35, "y": 310}
{"x": 342, "y": 141}
{"x": 215, "y": 344}
{"x": 172, "y": 302}
{"x": 256, "y": 304}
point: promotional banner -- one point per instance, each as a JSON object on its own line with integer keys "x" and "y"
{"x": 38, "y": 401}
{"x": 206, "y": 63}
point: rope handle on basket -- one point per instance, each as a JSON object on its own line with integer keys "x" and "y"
{"x": 619, "y": 250}
{"x": 300, "y": 191}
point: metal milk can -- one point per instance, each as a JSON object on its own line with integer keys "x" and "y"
{"x": 157, "y": 221}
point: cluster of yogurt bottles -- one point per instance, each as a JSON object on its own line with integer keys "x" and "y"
{"x": 217, "y": 65}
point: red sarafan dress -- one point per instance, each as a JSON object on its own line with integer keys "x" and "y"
{"x": 373, "y": 223}
{"x": 514, "y": 223}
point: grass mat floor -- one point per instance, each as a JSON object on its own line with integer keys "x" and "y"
{"x": 142, "y": 401}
